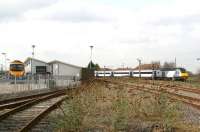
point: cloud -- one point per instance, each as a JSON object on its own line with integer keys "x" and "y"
{"x": 73, "y": 11}
{"x": 14, "y": 9}
{"x": 64, "y": 29}
{"x": 180, "y": 20}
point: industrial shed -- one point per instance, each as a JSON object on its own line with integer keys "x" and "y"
{"x": 59, "y": 68}
{"x": 55, "y": 68}
{"x": 35, "y": 66}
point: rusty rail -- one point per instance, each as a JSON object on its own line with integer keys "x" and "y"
{"x": 29, "y": 104}
{"x": 34, "y": 121}
{"x": 6, "y": 101}
{"x": 184, "y": 99}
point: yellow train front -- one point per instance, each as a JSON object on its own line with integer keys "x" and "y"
{"x": 183, "y": 74}
{"x": 16, "y": 69}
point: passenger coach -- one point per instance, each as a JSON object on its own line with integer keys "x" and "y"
{"x": 165, "y": 73}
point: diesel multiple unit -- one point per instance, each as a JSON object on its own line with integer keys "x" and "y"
{"x": 164, "y": 73}
{"x": 16, "y": 69}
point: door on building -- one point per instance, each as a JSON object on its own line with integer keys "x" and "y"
{"x": 41, "y": 69}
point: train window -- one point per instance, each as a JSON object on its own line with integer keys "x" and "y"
{"x": 16, "y": 67}
{"x": 182, "y": 70}
{"x": 121, "y": 72}
{"x": 142, "y": 73}
{"x": 104, "y": 73}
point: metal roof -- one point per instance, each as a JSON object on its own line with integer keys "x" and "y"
{"x": 30, "y": 58}
{"x": 57, "y": 61}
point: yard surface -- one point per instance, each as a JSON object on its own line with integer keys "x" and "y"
{"x": 98, "y": 106}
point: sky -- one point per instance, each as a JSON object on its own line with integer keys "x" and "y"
{"x": 120, "y": 31}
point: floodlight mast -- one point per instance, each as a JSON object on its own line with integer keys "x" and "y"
{"x": 91, "y": 47}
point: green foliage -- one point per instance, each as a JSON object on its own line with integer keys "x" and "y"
{"x": 93, "y": 66}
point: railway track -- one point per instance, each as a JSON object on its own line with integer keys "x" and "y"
{"x": 24, "y": 117}
{"x": 168, "y": 86}
{"x": 194, "y": 102}
{"x": 23, "y": 98}
{"x": 175, "y": 87}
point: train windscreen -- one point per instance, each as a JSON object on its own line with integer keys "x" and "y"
{"x": 182, "y": 70}
{"x": 16, "y": 67}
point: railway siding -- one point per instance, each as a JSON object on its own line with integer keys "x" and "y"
{"x": 24, "y": 117}
{"x": 156, "y": 89}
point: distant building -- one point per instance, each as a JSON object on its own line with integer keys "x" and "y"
{"x": 124, "y": 69}
{"x": 148, "y": 67}
{"x": 104, "y": 69}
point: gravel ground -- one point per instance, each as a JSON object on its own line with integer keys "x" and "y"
{"x": 191, "y": 115}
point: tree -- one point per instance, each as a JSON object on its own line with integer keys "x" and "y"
{"x": 93, "y": 66}
{"x": 169, "y": 65}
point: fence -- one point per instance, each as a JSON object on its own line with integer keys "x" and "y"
{"x": 33, "y": 82}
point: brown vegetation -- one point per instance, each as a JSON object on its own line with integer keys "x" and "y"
{"x": 108, "y": 107}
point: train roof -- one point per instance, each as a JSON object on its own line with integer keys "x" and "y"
{"x": 16, "y": 61}
{"x": 172, "y": 69}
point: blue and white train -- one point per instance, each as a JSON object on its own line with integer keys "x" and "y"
{"x": 165, "y": 73}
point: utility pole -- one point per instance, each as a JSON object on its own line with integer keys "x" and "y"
{"x": 139, "y": 61}
{"x": 91, "y": 47}
{"x": 175, "y": 62}
{"x": 5, "y": 60}
{"x": 104, "y": 71}
{"x": 1, "y": 68}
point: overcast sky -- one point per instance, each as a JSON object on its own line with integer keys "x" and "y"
{"x": 120, "y": 30}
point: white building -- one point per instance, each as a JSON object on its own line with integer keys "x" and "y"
{"x": 57, "y": 68}
{"x": 35, "y": 66}
{"x": 64, "y": 69}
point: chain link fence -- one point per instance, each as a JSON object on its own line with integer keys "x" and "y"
{"x": 33, "y": 82}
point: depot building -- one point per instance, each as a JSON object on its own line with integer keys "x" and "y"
{"x": 58, "y": 68}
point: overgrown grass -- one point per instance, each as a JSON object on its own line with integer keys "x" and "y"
{"x": 106, "y": 107}
{"x": 194, "y": 81}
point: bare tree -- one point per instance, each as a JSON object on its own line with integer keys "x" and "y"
{"x": 169, "y": 65}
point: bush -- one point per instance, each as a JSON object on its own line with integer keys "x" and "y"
{"x": 73, "y": 116}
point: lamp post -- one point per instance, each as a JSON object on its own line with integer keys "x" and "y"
{"x": 33, "y": 53}
{"x": 5, "y": 59}
{"x": 175, "y": 62}
{"x": 139, "y": 61}
{"x": 91, "y": 47}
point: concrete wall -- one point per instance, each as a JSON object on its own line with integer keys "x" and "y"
{"x": 28, "y": 67}
{"x": 65, "y": 70}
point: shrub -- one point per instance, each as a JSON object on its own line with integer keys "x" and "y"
{"x": 71, "y": 118}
